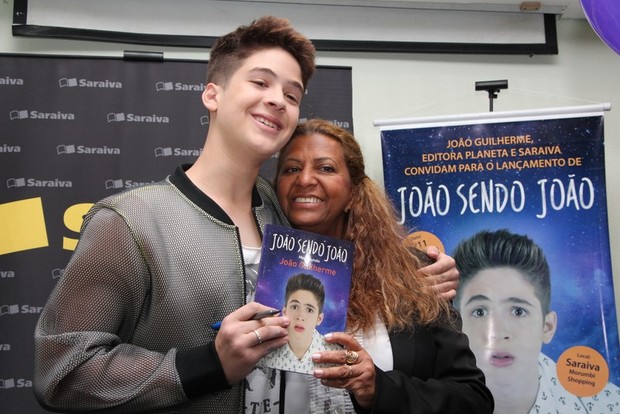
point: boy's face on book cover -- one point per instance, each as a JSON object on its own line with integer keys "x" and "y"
{"x": 504, "y": 322}
{"x": 303, "y": 310}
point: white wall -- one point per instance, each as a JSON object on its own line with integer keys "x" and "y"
{"x": 415, "y": 85}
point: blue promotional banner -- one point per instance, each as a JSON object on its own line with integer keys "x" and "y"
{"x": 539, "y": 180}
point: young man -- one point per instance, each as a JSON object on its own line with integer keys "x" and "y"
{"x": 126, "y": 328}
{"x": 504, "y": 300}
{"x": 303, "y": 304}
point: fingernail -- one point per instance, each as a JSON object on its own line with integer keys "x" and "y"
{"x": 316, "y": 357}
{"x": 328, "y": 335}
{"x": 318, "y": 373}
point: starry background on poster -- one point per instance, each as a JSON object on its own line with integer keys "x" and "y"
{"x": 557, "y": 178}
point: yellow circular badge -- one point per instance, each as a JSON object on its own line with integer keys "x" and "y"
{"x": 582, "y": 371}
{"x": 422, "y": 239}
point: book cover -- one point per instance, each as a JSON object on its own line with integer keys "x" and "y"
{"x": 511, "y": 187}
{"x": 308, "y": 277}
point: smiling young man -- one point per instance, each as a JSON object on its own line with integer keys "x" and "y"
{"x": 127, "y": 327}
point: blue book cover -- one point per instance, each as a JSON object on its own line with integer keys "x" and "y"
{"x": 308, "y": 277}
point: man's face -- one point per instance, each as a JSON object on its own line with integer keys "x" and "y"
{"x": 503, "y": 319}
{"x": 303, "y": 310}
{"x": 254, "y": 113}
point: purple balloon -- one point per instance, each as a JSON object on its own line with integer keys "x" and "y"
{"x": 604, "y": 17}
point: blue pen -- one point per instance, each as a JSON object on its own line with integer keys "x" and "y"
{"x": 259, "y": 315}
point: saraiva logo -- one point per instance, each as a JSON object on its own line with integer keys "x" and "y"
{"x": 9, "y": 310}
{"x": 163, "y": 152}
{"x": 119, "y": 184}
{"x": 17, "y": 309}
{"x": 113, "y": 184}
{"x": 17, "y": 114}
{"x": 179, "y": 86}
{"x": 83, "y": 149}
{"x": 8, "y": 383}
{"x": 123, "y": 117}
{"x": 11, "y": 81}
{"x": 179, "y": 152}
{"x": 33, "y": 182}
{"x": 85, "y": 83}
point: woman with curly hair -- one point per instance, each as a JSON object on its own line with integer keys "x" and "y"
{"x": 404, "y": 351}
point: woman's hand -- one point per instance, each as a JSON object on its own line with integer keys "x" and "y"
{"x": 355, "y": 369}
{"x": 442, "y": 274}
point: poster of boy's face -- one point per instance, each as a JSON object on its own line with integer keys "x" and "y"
{"x": 504, "y": 322}
{"x": 303, "y": 310}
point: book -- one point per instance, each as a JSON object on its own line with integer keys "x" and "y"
{"x": 308, "y": 277}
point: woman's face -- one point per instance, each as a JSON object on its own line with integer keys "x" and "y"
{"x": 314, "y": 185}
